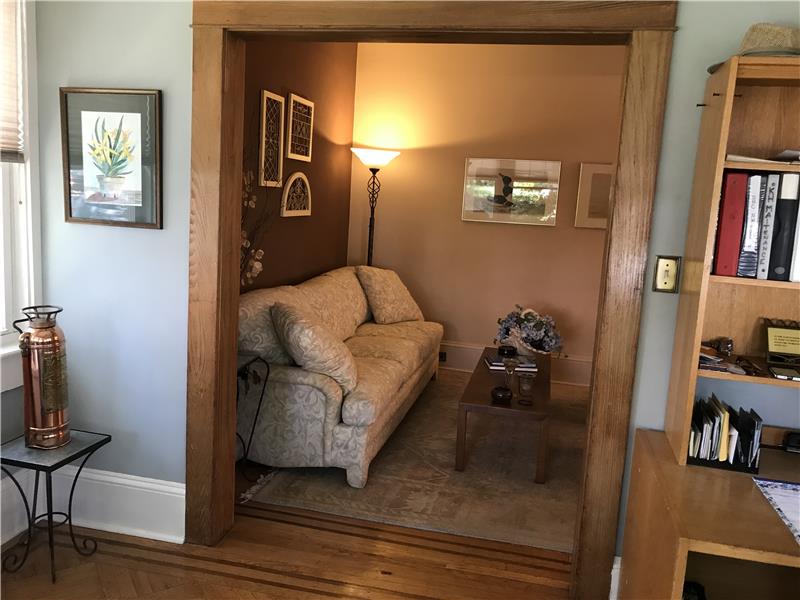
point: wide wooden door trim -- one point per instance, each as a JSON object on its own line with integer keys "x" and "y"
{"x": 617, "y": 333}
{"x": 217, "y": 104}
{"x": 214, "y": 239}
{"x": 443, "y": 17}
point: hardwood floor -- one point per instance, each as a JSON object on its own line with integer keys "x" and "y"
{"x": 276, "y": 553}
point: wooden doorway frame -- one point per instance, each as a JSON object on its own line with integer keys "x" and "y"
{"x": 219, "y": 28}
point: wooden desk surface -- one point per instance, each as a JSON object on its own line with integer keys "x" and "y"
{"x": 723, "y": 512}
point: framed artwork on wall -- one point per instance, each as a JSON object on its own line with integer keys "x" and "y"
{"x": 296, "y": 196}
{"x": 594, "y": 195}
{"x": 111, "y": 147}
{"x": 270, "y": 155}
{"x": 503, "y": 190}
{"x": 301, "y": 128}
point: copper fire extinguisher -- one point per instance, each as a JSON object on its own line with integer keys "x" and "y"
{"x": 44, "y": 373}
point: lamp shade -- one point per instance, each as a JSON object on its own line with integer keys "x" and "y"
{"x": 374, "y": 158}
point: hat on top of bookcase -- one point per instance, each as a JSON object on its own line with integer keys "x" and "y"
{"x": 768, "y": 39}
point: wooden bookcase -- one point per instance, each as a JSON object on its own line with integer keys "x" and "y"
{"x": 750, "y": 108}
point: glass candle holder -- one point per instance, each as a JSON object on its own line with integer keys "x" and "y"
{"x": 525, "y": 382}
{"x": 510, "y": 365}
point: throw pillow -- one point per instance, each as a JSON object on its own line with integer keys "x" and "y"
{"x": 313, "y": 347}
{"x": 389, "y": 300}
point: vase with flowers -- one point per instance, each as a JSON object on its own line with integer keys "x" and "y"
{"x": 528, "y": 331}
{"x": 112, "y": 154}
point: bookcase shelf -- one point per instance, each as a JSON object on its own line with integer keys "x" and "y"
{"x": 765, "y": 283}
{"x": 761, "y": 166}
{"x": 757, "y": 379}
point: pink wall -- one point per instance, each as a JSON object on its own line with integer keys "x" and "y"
{"x": 440, "y": 104}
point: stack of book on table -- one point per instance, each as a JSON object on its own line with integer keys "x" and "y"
{"x": 724, "y": 437}
{"x": 526, "y": 363}
{"x": 757, "y": 228}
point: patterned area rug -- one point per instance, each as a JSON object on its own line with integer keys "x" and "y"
{"x": 412, "y": 481}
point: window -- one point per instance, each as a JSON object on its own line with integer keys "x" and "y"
{"x": 19, "y": 219}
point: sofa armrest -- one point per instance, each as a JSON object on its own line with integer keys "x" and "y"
{"x": 298, "y": 376}
{"x": 297, "y": 417}
{"x": 324, "y": 384}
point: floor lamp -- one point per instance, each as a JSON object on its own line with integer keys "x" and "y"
{"x": 374, "y": 160}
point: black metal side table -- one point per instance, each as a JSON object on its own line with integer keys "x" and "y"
{"x": 15, "y": 454}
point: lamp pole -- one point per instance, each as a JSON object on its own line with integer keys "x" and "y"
{"x": 373, "y": 187}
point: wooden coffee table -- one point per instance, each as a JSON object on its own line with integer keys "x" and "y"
{"x": 477, "y": 398}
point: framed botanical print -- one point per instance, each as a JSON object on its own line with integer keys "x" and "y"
{"x": 111, "y": 147}
{"x": 296, "y": 196}
{"x": 270, "y": 156}
{"x": 300, "y": 132}
{"x": 594, "y": 195}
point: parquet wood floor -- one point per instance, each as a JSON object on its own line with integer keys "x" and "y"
{"x": 278, "y": 553}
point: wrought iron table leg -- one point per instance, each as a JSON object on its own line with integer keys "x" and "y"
{"x": 89, "y": 545}
{"x": 12, "y": 562}
{"x": 35, "y": 499}
{"x": 49, "y": 490}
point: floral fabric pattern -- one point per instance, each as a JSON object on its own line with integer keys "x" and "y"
{"x": 378, "y": 380}
{"x": 337, "y": 300}
{"x": 426, "y": 334}
{"x": 406, "y": 353}
{"x": 389, "y": 300}
{"x": 313, "y": 347}
{"x": 256, "y": 331}
{"x": 299, "y": 412}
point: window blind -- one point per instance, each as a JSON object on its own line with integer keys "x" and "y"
{"x": 12, "y": 141}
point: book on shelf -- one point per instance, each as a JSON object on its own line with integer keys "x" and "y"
{"x": 748, "y": 252}
{"x": 767, "y": 224}
{"x": 780, "y": 259}
{"x": 790, "y": 157}
{"x": 757, "y": 228}
{"x": 526, "y": 365}
{"x": 794, "y": 269}
{"x": 722, "y": 436}
{"x": 731, "y": 221}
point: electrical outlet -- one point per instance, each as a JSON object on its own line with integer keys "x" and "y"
{"x": 442, "y": 356}
{"x": 666, "y": 274}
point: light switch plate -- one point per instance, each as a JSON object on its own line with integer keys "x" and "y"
{"x": 667, "y": 274}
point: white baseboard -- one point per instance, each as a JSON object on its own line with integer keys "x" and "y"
{"x": 568, "y": 369}
{"x": 13, "y": 510}
{"x": 104, "y": 500}
{"x": 613, "y": 593}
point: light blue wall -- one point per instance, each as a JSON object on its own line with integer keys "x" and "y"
{"x": 124, "y": 291}
{"x": 11, "y": 419}
{"x": 708, "y": 32}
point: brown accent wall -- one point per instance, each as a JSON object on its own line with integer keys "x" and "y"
{"x": 296, "y": 248}
{"x": 440, "y": 104}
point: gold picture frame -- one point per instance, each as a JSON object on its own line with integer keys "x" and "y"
{"x": 594, "y": 195}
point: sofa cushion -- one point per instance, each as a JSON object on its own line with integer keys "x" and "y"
{"x": 389, "y": 300}
{"x": 410, "y": 354}
{"x": 256, "y": 331}
{"x": 426, "y": 334}
{"x": 337, "y": 300}
{"x": 312, "y": 346}
{"x": 379, "y": 379}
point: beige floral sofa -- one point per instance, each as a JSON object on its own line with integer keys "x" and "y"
{"x": 349, "y": 353}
